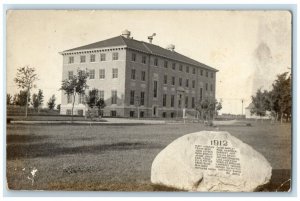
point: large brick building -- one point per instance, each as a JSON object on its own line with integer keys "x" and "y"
{"x": 137, "y": 78}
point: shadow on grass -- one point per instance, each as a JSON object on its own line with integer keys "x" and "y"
{"x": 19, "y": 151}
{"x": 24, "y": 138}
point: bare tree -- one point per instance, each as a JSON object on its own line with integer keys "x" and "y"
{"x": 24, "y": 79}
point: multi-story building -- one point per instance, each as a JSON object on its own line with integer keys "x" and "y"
{"x": 137, "y": 78}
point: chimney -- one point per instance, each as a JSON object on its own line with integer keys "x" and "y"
{"x": 150, "y": 38}
{"x": 126, "y": 33}
{"x": 171, "y": 47}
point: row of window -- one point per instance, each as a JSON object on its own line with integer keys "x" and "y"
{"x": 115, "y": 56}
{"x": 92, "y": 73}
{"x": 92, "y": 57}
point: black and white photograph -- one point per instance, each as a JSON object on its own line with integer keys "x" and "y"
{"x": 149, "y": 100}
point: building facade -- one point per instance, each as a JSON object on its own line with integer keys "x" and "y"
{"x": 138, "y": 79}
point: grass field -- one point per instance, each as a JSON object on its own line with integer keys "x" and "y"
{"x": 116, "y": 158}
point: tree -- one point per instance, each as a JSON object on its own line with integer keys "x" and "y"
{"x": 51, "y": 102}
{"x": 37, "y": 100}
{"x": 8, "y": 99}
{"x": 261, "y": 102}
{"x": 76, "y": 85}
{"x": 22, "y": 98}
{"x": 278, "y": 101}
{"x": 58, "y": 107}
{"x": 281, "y": 96}
{"x": 93, "y": 100}
{"x": 208, "y": 108}
{"x": 25, "y": 79}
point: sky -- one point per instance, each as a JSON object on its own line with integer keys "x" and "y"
{"x": 249, "y": 48}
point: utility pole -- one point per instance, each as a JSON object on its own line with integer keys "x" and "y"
{"x": 242, "y": 106}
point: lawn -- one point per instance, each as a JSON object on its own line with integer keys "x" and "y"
{"x": 118, "y": 158}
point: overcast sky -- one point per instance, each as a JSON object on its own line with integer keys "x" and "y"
{"x": 249, "y": 48}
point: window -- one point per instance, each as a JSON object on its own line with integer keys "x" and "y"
{"x": 143, "y": 75}
{"x": 115, "y": 56}
{"x": 172, "y": 114}
{"x": 102, "y": 57}
{"x": 155, "y": 61}
{"x": 166, "y": 64}
{"x": 206, "y": 73}
{"x": 114, "y": 73}
{"x": 194, "y": 70}
{"x": 69, "y": 112}
{"x": 69, "y": 98}
{"x": 131, "y": 113}
{"x": 187, "y": 83}
{"x": 179, "y": 101}
{"x": 173, "y": 80}
{"x": 180, "y": 67}
{"x": 193, "y": 84}
{"x": 92, "y": 74}
{"x": 71, "y": 60}
{"x": 172, "y": 100}
{"x": 206, "y": 86}
{"x": 155, "y": 89}
{"x": 173, "y": 66}
{"x": 187, "y": 69}
{"x": 201, "y": 94}
{"x": 80, "y": 112}
{"x": 133, "y": 57}
{"x": 82, "y": 59}
{"x": 211, "y": 87}
{"x": 81, "y": 98}
{"x": 113, "y": 113}
{"x": 70, "y": 74}
{"x": 114, "y": 97}
{"x": 142, "y": 114}
{"x": 164, "y": 114}
{"x": 165, "y": 79}
{"x": 164, "y": 100}
{"x": 180, "y": 81}
{"x": 201, "y": 72}
{"x": 102, "y": 74}
{"x": 133, "y": 74}
{"x": 144, "y": 59}
{"x": 101, "y": 94}
{"x": 92, "y": 58}
{"x": 212, "y": 75}
{"x": 142, "y": 102}
{"x": 193, "y": 102}
{"x": 131, "y": 97}
{"x": 186, "y": 101}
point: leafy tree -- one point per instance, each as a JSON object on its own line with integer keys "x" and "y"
{"x": 93, "y": 100}
{"x": 25, "y": 79}
{"x": 51, "y": 102}
{"x": 22, "y": 98}
{"x": 37, "y": 100}
{"x": 75, "y": 86}
{"x": 58, "y": 107}
{"x": 15, "y": 99}
{"x": 281, "y": 96}
{"x": 278, "y": 101}
{"x": 208, "y": 108}
{"x": 261, "y": 103}
{"x": 8, "y": 99}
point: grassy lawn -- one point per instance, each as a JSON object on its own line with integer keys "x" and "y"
{"x": 115, "y": 158}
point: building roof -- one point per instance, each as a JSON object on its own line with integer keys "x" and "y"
{"x": 141, "y": 46}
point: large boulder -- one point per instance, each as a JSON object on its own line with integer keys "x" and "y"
{"x": 210, "y": 161}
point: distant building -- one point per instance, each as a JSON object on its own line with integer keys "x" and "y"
{"x": 137, "y": 78}
{"x": 253, "y": 116}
